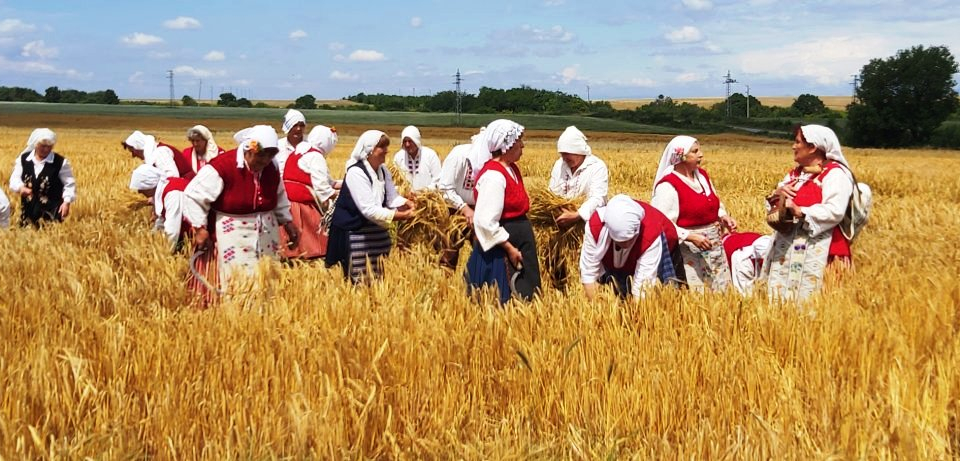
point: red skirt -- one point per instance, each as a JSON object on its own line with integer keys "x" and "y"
{"x": 313, "y": 240}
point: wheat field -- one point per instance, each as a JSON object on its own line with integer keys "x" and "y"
{"x": 102, "y": 357}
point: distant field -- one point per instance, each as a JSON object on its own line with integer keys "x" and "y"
{"x": 269, "y": 102}
{"x": 832, "y": 102}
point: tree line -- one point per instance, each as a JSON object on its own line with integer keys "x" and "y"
{"x": 55, "y": 94}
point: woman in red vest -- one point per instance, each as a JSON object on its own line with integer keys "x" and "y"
{"x": 203, "y": 148}
{"x": 311, "y": 191}
{"x": 816, "y": 193}
{"x": 167, "y": 158}
{"x": 241, "y": 192}
{"x": 684, "y": 193}
{"x": 166, "y": 194}
{"x": 504, "y": 250}
{"x": 630, "y": 245}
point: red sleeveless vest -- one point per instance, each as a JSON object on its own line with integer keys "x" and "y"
{"x": 811, "y": 193}
{"x": 516, "y": 202}
{"x": 696, "y": 208}
{"x": 188, "y": 157}
{"x": 178, "y": 184}
{"x": 244, "y": 193}
{"x": 653, "y": 224}
{"x": 296, "y": 181}
{"x": 737, "y": 240}
{"x": 183, "y": 166}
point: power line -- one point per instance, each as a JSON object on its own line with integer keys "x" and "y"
{"x": 728, "y": 81}
{"x": 170, "y": 76}
{"x": 457, "y": 80}
{"x": 856, "y": 86}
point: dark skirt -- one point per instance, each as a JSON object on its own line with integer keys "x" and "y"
{"x": 352, "y": 250}
{"x": 485, "y": 268}
{"x": 667, "y": 270}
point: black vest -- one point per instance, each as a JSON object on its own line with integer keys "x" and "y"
{"x": 44, "y": 203}
{"x": 346, "y": 214}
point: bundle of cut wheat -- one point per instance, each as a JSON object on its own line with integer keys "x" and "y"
{"x": 432, "y": 224}
{"x": 559, "y": 247}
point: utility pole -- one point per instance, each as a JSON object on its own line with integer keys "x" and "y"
{"x": 856, "y": 86}
{"x": 588, "y": 94}
{"x": 728, "y": 81}
{"x": 200, "y": 90}
{"x": 170, "y": 76}
{"x": 457, "y": 80}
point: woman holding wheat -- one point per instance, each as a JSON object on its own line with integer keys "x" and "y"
{"x": 814, "y": 197}
{"x": 44, "y": 179}
{"x": 505, "y": 249}
{"x": 684, "y": 193}
{"x": 242, "y": 195}
{"x": 311, "y": 191}
{"x": 368, "y": 203}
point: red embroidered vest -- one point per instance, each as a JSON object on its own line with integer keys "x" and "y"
{"x": 516, "y": 202}
{"x": 811, "y": 193}
{"x": 178, "y": 184}
{"x": 188, "y": 156}
{"x": 183, "y": 166}
{"x": 654, "y": 223}
{"x": 737, "y": 240}
{"x": 696, "y": 208}
{"x": 296, "y": 181}
{"x": 244, "y": 193}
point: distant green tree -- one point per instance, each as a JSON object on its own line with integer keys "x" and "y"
{"x": 16, "y": 93}
{"x": 808, "y": 104}
{"x": 186, "y": 100}
{"x": 227, "y": 100}
{"x": 244, "y": 102}
{"x": 306, "y": 101}
{"x": 902, "y": 100}
{"x": 52, "y": 94}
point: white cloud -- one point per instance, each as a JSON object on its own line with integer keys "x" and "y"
{"x": 159, "y": 55}
{"x": 366, "y": 56}
{"x": 141, "y": 39}
{"x": 42, "y": 67}
{"x": 685, "y": 34}
{"x": 343, "y": 76}
{"x": 553, "y": 2}
{"x": 182, "y": 22}
{"x": 243, "y": 82}
{"x": 827, "y": 61}
{"x": 15, "y": 26}
{"x": 697, "y": 5}
{"x": 214, "y": 56}
{"x": 555, "y": 34}
{"x": 570, "y": 73}
{"x": 298, "y": 34}
{"x": 194, "y": 72}
{"x": 416, "y": 21}
{"x": 690, "y": 77}
{"x": 642, "y": 82}
{"x": 136, "y": 77}
{"x": 37, "y": 49}
{"x": 336, "y": 46}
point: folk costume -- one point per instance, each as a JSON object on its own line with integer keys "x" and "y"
{"x": 167, "y": 158}
{"x": 198, "y": 159}
{"x": 50, "y": 179}
{"x": 590, "y": 180}
{"x": 290, "y": 119}
{"x": 421, "y": 170}
{"x": 311, "y": 191}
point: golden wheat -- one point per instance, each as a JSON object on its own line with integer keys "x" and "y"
{"x": 100, "y": 359}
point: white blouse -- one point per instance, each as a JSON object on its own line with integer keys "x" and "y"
{"x": 369, "y": 195}
{"x": 314, "y": 164}
{"x": 491, "y": 188}
{"x": 590, "y": 180}
{"x": 426, "y": 169}
{"x": 666, "y": 199}
{"x": 66, "y": 175}
{"x": 456, "y": 178}
{"x": 206, "y": 187}
{"x": 171, "y": 212}
{"x": 837, "y": 187}
{"x": 592, "y": 252}
{"x": 4, "y": 211}
{"x": 162, "y": 158}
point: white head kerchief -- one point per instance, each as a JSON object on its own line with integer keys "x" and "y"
{"x": 321, "y": 138}
{"x": 39, "y": 135}
{"x": 499, "y": 135}
{"x": 145, "y": 177}
{"x": 365, "y": 144}
{"x": 265, "y": 135}
{"x": 413, "y": 133}
{"x": 291, "y": 118}
{"x": 824, "y": 138}
{"x": 204, "y": 132}
{"x": 672, "y": 155}
{"x": 144, "y": 142}
{"x": 623, "y": 217}
{"x": 573, "y": 141}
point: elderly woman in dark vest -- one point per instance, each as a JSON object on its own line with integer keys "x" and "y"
{"x": 44, "y": 179}
{"x": 367, "y": 204}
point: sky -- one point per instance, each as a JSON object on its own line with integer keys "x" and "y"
{"x": 597, "y": 49}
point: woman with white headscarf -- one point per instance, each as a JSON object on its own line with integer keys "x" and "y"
{"x": 367, "y": 204}
{"x": 239, "y": 198}
{"x": 816, "y": 194}
{"x": 684, "y": 193}
{"x": 505, "y": 249}
{"x": 311, "y": 191}
{"x": 578, "y": 173}
{"x": 294, "y": 124}
{"x": 419, "y": 164}
{"x": 203, "y": 147}
{"x": 43, "y": 179}
{"x": 167, "y": 158}
{"x": 630, "y": 245}
{"x": 167, "y": 195}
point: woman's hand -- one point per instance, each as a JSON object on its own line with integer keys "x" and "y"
{"x": 700, "y": 241}
{"x": 568, "y": 218}
{"x": 467, "y": 212}
{"x": 795, "y": 209}
{"x": 786, "y": 190}
{"x": 64, "y": 210}
{"x": 401, "y": 214}
{"x": 293, "y": 235}
{"x": 728, "y": 222}
{"x": 26, "y": 191}
{"x": 513, "y": 255}
{"x": 201, "y": 239}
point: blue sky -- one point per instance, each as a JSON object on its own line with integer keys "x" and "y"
{"x": 619, "y": 48}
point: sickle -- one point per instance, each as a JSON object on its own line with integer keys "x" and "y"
{"x": 193, "y": 269}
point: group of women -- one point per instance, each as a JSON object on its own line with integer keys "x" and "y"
{"x": 238, "y": 206}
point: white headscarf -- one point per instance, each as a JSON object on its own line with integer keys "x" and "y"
{"x": 265, "y": 135}
{"x": 672, "y": 155}
{"x": 145, "y": 177}
{"x": 144, "y": 142}
{"x": 365, "y": 144}
{"x": 39, "y": 135}
{"x": 499, "y": 135}
{"x": 204, "y": 132}
{"x": 292, "y": 118}
{"x": 413, "y": 133}
{"x": 321, "y": 138}
{"x": 573, "y": 141}
{"x": 623, "y": 217}
{"x": 824, "y": 138}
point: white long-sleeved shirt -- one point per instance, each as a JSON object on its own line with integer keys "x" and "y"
{"x": 423, "y": 171}
{"x": 314, "y": 164}
{"x": 745, "y": 264}
{"x": 162, "y": 158}
{"x": 66, "y": 175}
{"x": 4, "y": 210}
{"x": 593, "y": 250}
{"x": 283, "y": 153}
{"x": 171, "y": 212}
{"x": 837, "y": 188}
{"x": 591, "y": 179}
{"x": 369, "y": 195}
{"x": 491, "y": 188}
{"x": 456, "y": 178}
{"x": 206, "y": 187}
{"x": 666, "y": 199}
